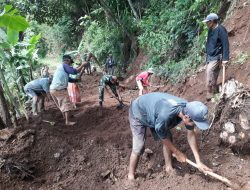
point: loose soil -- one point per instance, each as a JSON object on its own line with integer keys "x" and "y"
{"x": 94, "y": 154}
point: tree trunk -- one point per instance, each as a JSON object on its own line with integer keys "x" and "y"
{"x": 4, "y": 111}
{"x": 11, "y": 99}
{"x": 133, "y": 9}
{"x": 2, "y": 124}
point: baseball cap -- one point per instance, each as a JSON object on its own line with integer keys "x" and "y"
{"x": 198, "y": 112}
{"x": 151, "y": 70}
{"x": 68, "y": 57}
{"x": 210, "y": 17}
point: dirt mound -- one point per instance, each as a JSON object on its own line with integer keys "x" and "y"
{"x": 232, "y": 118}
{"x": 95, "y": 153}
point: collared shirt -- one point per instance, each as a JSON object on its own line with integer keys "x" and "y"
{"x": 159, "y": 111}
{"x": 217, "y": 46}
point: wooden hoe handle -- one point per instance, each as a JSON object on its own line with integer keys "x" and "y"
{"x": 223, "y": 75}
{"x": 221, "y": 178}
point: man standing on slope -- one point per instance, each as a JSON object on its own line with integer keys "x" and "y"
{"x": 217, "y": 50}
{"x": 110, "y": 65}
{"x": 160, "y": 112}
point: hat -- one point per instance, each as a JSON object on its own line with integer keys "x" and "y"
{"x": 68, "y": 57}
{"x": 210, "y": 17}
{"x": 198, "y": 112}
{"x": 150, "y": 70}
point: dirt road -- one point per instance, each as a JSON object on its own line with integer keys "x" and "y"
{"x": 95, "y": 153}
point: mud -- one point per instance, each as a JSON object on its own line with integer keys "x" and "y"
{"x": 94, "y": 154}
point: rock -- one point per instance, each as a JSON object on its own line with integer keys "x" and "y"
{"x": 149, "y": 173}
{"x": 57, "y": 155}
{"x": 6, "y": 133}
{"x": 148, "y": 151}
{"x": 105, "y": 174}
{"x": 25, "y": 133}
{"x": 231, "y": 139}
{"x": 231, "y": 87}
{"x": 224, "y": 135}
{"x": 216, "y": 164}
{"x": 229, "y": 127}
{"x": 242, "y": 135}
{"x": 244, "y": 121}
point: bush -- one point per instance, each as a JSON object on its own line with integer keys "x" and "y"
{"x": 170, "y": 33}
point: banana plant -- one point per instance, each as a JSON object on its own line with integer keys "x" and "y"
{"x": 11, "y": 23}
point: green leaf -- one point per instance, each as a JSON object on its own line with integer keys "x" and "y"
{"x": 12, "y": 36}
{"x": 2, "y": 13}
{"x": 7, "y": 8}
{"x": 3, "y": 35}
{"x": 14, "y": 22}
{"x": 22, "y": 67}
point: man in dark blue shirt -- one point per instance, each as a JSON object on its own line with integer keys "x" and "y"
{"x": 217, "y": 50}
{"x": 110, "y": 65}
{"x": 160, "y": 112}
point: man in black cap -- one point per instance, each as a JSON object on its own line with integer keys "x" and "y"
{"x": 160, "y": 112}
{"x": 58, "y": 87}
{"x": 217, "y": 50}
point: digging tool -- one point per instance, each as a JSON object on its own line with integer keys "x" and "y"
{"x": 158, "y": 86}
{"x": 50, "y": 122}
{"x": 223, "y": 76}
{"x": 216, "y": 176}
{"x": 226, "y": 181}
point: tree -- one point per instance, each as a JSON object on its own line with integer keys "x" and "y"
{"x": 4, "y": 110}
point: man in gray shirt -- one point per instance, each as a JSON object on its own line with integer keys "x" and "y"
{"x": 38, "y": 89}
{"x": 160, "y": 112}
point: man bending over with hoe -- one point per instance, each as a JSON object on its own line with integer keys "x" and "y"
{"x": 160, "y": 112}
{"x": 142, "y": 81}
{"x": 38, "y": 90}
{"x": 112, "y": 82}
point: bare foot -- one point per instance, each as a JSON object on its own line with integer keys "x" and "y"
{"x": 170, "y": 171}
{"x": 70, "y": 123}
{"x": 131, "y": 177}
{"x": 131, "y": 185}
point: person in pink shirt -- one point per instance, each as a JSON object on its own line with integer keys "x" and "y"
{"x": 142, "y": 81}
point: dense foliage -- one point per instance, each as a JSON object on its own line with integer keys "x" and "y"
{"x": 170, "y": 32}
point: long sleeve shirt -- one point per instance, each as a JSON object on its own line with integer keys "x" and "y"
{"x": 217, "y": 46}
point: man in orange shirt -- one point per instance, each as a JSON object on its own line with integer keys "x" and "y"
{"x": 142, "y": 81}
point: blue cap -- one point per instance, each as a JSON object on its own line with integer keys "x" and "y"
{"x": 210, "y": 17}
{"x": 198, "y": 112}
